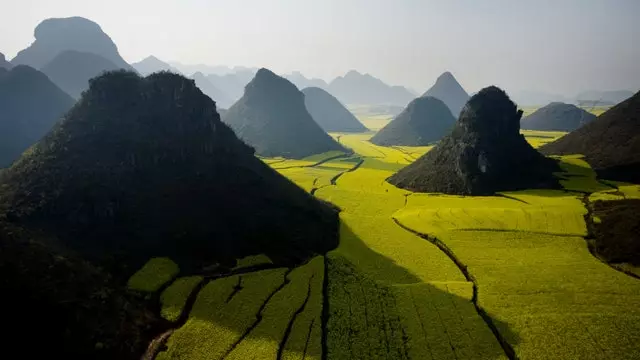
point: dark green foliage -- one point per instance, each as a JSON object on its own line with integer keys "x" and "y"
{"x": 59, "y": 307}
{"x": 450, "y": 92}
{"x": 557, "y": 116}
{"x": 611, "y": 143}
{"x": 29, "y": 106}
{"x": 484, "y": 153}
{"x": 329, "y": 113}
{"x": 71, "y": 70}
{"x": 424, "y": 121}
{"x": 56, "y": 35}
{"x": 272, "y": 117}
{"x": 143, "y": 167}
{"x": 617, "y": 234}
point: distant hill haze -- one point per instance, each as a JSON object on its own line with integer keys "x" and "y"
{"x": 152, "y": 64}
{"x": 71, "y": 70}
{"x": 29, "y": 106}
{"x": 222, "y": 100}
{"x": 484, "y": 153}
{"x": 54, "y": 36}
{"x": 302, "y": 82}
{"x": 233, "y": 83}
{"x": 329, "y": 112}
{"x": 424, "y": 121}
{"x": 357, "y": 88}
{"x": 606, "y": 97}
{"x": 143, "y": 167}
{"x": 272, "y": 117}
{"x": 610, "y": 143}
{"x": 4, "y": 63}
{"x": 557, "y": 116}
{"x": 450, "y": 92}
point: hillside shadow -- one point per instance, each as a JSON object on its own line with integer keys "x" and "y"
{"x": 357, "y": 308}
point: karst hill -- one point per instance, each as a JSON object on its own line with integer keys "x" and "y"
{"x": 483, "y": 154}
{"x": 272, "y": 117}
{"x": 424, "y": 121}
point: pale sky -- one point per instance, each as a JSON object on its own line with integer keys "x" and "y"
{"x": 557, "y": 46}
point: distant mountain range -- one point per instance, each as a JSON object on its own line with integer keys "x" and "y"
{"x": 54, "y": 36}
{"x": 152, "y": 64}
{"x": 357, "y": 88}
{"x": 301, "y": 82}
{"x": 448, "y": 90}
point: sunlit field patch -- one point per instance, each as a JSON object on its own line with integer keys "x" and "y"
{"x": 155, "y": 273}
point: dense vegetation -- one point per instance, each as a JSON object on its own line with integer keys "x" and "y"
{"x": 483, "y": 154}
{"x": 450, "y": 92}
{"x": 29, "y": 106}
{"x": 143, "y": 167}
{"x": 329, "y": 113}
{"x": 71, "y": 70}
{"x": 617, "y": 230}
{"x": 272, "y": 117}
{"x": 611, "y": 143}
{"x": 424, "y": 121}
{"x": 557, "y": 117}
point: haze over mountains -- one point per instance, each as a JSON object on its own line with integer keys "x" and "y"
{"x": 557, "y": 116}
{"x": 329, "y": 113}
{"x": 54, "y": 36}
{"x": 152, "y": 64}
{"x": 447, "y": 89}
{"x": 71, "y": 70}
{"x": 357, "y": 88}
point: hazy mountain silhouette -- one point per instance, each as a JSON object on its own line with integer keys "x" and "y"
{"x": 271, "y": 116}
{"x": 329, "y": 113}
{"x": 536, "y": 98}
{"x": 4, "y": 63}
{"x": 357, "y": 88}
{"x": 71, "y": 70}
{"x": 29, "y": 106}
{"x": 143, "y": 167}
{"x": 54, "y": 36}
{"x": 612, "y": 97}
{"x": 424, "y": 121}
{"x": 221, "y": 99}
{"x": 302, "y": 82}
{"x": 232, "y": 84}
{"x": 557, "y": 116}
{"x": 484, "y": 153}
{"x": 210, "y": 69}
{"x": 450, "y": 92}
{"x": 610, "y": 143}
{"x": 152, "y": 64}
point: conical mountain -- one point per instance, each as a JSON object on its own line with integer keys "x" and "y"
{"x": 557, "y": 116}
{"x": 449, "y": 90}
{"x": 222, "y": 100}
{"x": 4, "y": 64}
{"x": 29, "y": 106}
{"x": 610, "y": 144}
{"x": 152, "y": 64}
{"x": 143, "y": 167}
{"x": 357, "y": 88}
{"x": 56, "y": 35}
{"x": 483, "y": 154}
{"x": 71, "y": 70}
{"x": 271, "y": 116}
{"x": 424, "y": 121}
{"x": 329, "y": 112}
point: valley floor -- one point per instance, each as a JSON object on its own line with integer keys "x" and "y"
{"x": 419, "y": 276}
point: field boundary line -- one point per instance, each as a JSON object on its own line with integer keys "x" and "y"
{"x": 506, "y": 347}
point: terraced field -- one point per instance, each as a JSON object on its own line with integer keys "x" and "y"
{"x": 416, "y": 276}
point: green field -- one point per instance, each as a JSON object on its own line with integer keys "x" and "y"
{"x": 418, "y": 276}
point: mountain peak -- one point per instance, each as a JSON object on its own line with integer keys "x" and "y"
{"x": 449, "y": 90}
